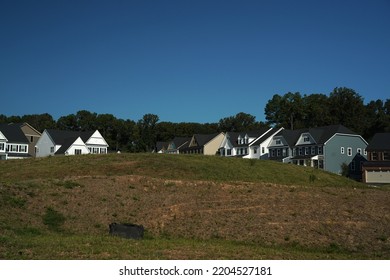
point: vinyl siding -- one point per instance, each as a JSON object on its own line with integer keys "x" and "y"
{"x": 332, "y": 151}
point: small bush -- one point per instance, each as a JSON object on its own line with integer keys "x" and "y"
{"x": 53, "y": 219}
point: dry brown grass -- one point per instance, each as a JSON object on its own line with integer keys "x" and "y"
{"x": 357, "y": 220}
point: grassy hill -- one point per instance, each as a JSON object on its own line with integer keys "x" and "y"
{"x": 193, "y": 207}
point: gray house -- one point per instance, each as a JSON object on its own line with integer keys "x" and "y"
{"x": 327, "y": 148}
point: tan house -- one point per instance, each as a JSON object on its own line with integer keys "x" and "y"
{"x": 32, "y": 136}
{"x": 205, "y": 144}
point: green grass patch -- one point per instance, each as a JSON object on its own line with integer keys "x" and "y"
{"x": 53, "y": 219}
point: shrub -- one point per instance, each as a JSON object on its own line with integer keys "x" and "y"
{"x": 53, "y": 219}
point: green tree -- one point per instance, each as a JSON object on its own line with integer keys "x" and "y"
{"x": 68, "y": 122}
{"x": 86, "y": 120}
{"x": 347, "y": 108}
{"x": 148, "y": 135}
{"x": 286, "y": 110}
{"x": 237, "y": 123}
{"x": 316, "y": 110}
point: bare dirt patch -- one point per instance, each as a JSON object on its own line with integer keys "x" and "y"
{"x": 354, "y": 219}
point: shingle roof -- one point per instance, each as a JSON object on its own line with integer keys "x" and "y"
{"x": 13, "y": 133}
{"x": 180, "y": 141}
{"x": 265, "y": 136}
{"x": 66, "y": 145}
{"x": 324, "y": 133}
{"x": 61, "y": 136}
{"x": 380, "y": 142}
{"x": 203, "y": 139}
{"x": 320, "y": 134}
{"x": 66, "y": 138}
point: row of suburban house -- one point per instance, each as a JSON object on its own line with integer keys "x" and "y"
{"x": 21, "y": 140}
{"x": 330, "y": 148}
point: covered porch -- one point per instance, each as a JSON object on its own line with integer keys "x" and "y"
{"x": 308, "y": 160}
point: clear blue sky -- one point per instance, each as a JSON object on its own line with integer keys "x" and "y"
{"x": 186, "y": 60}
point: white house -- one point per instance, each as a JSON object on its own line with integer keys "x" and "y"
{"x": 253, "y": 145}
{"x": 3, "y": 145}
{"x": 59, "y": 142}
{"x": 13, "y": 142}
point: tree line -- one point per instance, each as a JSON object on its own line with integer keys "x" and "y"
{"x": 342, "y": 106}
{"x": 291, "y": 110}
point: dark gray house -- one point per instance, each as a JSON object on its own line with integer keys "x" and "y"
{"x": 377, "y": 168}
{"x": 327, "y": 148}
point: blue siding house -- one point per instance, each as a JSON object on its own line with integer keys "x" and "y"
{"x": 327, "y": 148}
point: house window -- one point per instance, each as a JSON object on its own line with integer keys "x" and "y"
{"x": 23, "y": 148}
{"x": 306, "y": 150}
{"x": 31, "y": 139}
{"x": 245, "y": 151}
{"x": 2, "y": 146}
{"x": 374, "y": 156}
{"x": 386, "y": 156}
{"x": 349, "y": 151}
{"x": 306, "y": 139}
{"x": 262, "y": 150}
{"x": 313, "y": 150}
{"x": 103, "y": 150}
{"x": 278, "y": 151}
{"x": 359, "y": 151}
{"x": 365, "y": 152}
{"x": 284, "y": 152}
{"x": 278, "y": 142}
{"x": 77, "y": 151}
{"x": 273, "y": 153}
{"x": 300, "y": 151}
{"x": 51, "y": 149}
{"x": 255, "y": 150}
{"x": 229, "y": 152}
{"x": 320, "y": 150}
{"x": 342, "y": 150}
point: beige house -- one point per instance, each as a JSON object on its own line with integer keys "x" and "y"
{"x": 205, "y": 144}
{"x": 32, "y": 136}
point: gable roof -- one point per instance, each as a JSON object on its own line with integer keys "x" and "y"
{"x": 324, "y": 133}
{"x": 60, "y": 137}
{"x": 22, "y": 125}
{"x": 380, "y": 142}
{"x": 66, "y": 145}
{"x": 291, "y": 136}
{"x": 203, "y": 139}
{"x": 320, "y": 134}
{"x": 265, "y": 136}
{"x": 178, "y": 142}
{"x": 233, "y": 136}
{"x": 13, "y": 133}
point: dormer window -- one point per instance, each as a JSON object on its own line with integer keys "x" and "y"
{"x": 306, "y": 139}
{"x": 278, "y": 142}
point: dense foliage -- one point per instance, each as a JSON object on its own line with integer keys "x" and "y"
{"x": 291, "y": 110}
